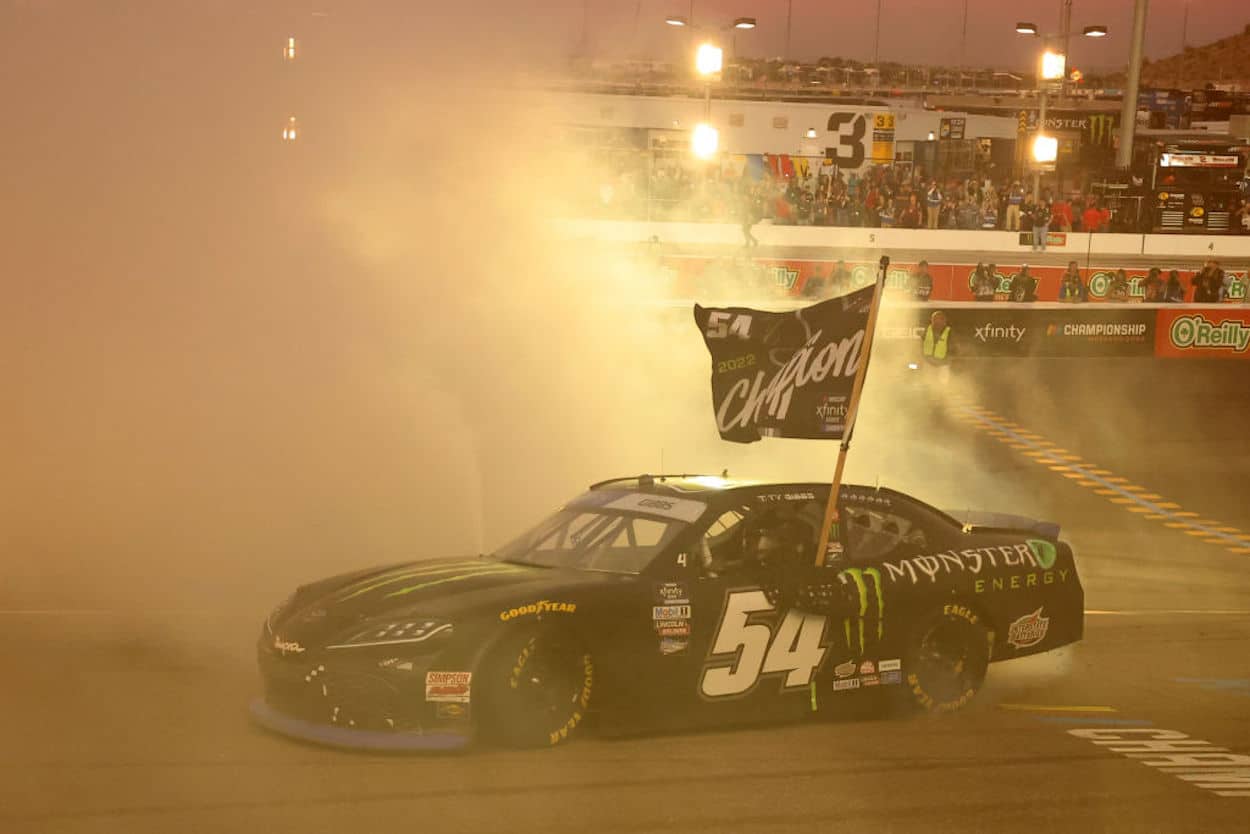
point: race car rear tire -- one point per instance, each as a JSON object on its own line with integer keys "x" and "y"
{"x": 535, "y": 688}
{"x": 946, "y": 659}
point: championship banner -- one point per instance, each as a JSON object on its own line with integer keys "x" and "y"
{"x": 785, "y": 374}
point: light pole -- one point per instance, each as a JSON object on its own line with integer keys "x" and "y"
{"x": 708, "y": 63}
{"x": 1051, "y": 72}
{"x": 1128, "y": 108}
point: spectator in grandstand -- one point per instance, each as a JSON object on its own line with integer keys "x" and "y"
{"x": 1023, "y": 286}
{"x": 984, "y": 282}
{"x": 1174, "y": 292}
{"x": 1071, "y": 287}
{"x": 968, "y": 215}
{"x": 933, "y": 204}
{"x": 1118, "y": 291}
{"x": 1061, "y": 214}
{"x": 1209, "y": 284}
{"x": 1015, "y": 199}
{"x": 1241, "y": 220}
{"x": 909, "y": 217}
{"x": 989, "y": 209}
{"x": 1039, "y": 219}
{"x": 921, "y": 282}
{"x": 1153, "y": 286}
{"x": 1095, "y": 218}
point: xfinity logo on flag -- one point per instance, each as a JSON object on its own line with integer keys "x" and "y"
{"x": 998, "y": 332}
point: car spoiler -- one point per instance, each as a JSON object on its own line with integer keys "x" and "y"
{"x": 985, "y": 522}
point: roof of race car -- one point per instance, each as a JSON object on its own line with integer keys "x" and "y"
{"x": 687, "y": 483}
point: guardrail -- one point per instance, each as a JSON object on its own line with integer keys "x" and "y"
{"x": 1076, "y": 244}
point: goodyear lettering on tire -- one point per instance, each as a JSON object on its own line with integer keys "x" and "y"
{"x": 583, "y": 701}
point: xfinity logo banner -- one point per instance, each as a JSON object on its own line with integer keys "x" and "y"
{"x": 997, "y": 332}
{"x": 784, "y": 374}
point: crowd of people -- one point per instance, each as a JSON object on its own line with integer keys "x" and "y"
{"x": 901, "y": 196}
{"x": 1210, "y": 285}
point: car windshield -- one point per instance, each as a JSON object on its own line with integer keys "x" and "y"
{"x": 617, "y": 532}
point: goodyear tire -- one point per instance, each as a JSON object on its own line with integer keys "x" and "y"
{"x": 946, "y": 658}
{"x": 536, "y": 688}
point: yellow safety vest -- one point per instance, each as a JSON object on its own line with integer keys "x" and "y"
{"x": 936, "y": 351}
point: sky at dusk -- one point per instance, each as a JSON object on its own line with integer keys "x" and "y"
{"x": 917, "y": 31}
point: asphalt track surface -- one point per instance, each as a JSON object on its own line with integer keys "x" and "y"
{"x": 109, "y": 728}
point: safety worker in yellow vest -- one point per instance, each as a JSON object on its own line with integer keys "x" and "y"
{"x": 936, "y": 347}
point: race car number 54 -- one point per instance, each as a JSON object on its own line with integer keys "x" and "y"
{"x": 744, "y": 651}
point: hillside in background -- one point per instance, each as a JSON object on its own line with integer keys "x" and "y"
{"x": 1227, "y": 61}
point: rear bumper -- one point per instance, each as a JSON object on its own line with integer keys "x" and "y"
{"x": 347, "y": 738}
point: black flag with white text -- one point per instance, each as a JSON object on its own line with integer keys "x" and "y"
{"x": 785, "y": 374}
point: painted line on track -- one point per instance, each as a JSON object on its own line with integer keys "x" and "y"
{"x": 1053, "y": 708}
{"x": 1116, "y": 489}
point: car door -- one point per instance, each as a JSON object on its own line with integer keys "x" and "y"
{"x": 749, "y": 658}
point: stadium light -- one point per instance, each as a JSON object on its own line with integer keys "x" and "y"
{"x": 708, "y": 59}
{"x": 1026, "y": 28}
{"x": 288, "y": 52}
{"x": 1095, "y": 32}
{"x": 744, "y": 23}
{"x": 1053, "y": 65}
{"x": 811, "y": 133}
{"x": 290, "y": 132}
{"x": 704, "y": 140}
{"x": 676, "y": 20}
{"x": 1045, "y": 149}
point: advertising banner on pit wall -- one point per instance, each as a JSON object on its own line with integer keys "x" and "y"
{"x": 951, "y": 282}
{"x": 1004, "y": 332}
{"x": 1203, "y": 334}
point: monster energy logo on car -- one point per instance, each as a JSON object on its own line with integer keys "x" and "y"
{"x": 860, "y": 577}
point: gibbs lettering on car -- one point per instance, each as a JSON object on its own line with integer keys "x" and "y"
{"x": 1028, "y": 630}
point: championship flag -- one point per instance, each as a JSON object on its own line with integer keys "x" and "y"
{"x": 796, "y": 374}
{"x": 787, "y": 374}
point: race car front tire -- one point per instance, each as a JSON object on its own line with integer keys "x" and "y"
{"x": 535, "y": 688}
{"x": 946, "y": 659}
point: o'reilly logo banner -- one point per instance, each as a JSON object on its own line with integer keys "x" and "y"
{"x": 784, "y": 374}
{"x": 1204, "y": 333}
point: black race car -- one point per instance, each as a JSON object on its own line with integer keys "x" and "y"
{"x": 669, "y": 602}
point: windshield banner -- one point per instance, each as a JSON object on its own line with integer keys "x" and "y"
{"x": 784, "y": 374}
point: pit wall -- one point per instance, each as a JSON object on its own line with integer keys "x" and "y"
{"x": 995, "y": 245}
{"x": 1175, "y": 331}
{"x": 697, "y": 275}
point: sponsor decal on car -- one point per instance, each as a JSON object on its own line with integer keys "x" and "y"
{"x": 679, "y": 628}
{"x": 839, "y": 686}
{"x": 680, "y": 509}
{"x": 889, "y": 678}
{"x": 542, "y": 606}
{"x": 670, "y": 612}
{"x": 871, "y": 602}
{"x": 870, "y": 680}
{"x": 844, "y": 670}
{"x": 287, "y": 646}
{"x": 1028, "y": 630}
{"x": 452, "y": 711}
{"x": 1035, "y": 553}
{"x": 672, "y": 593}
{"x": 448, "y": 687}
{"x": 673, "y": 645}
{"x": 1016, "y": 581}
{"x": 892, "y": 665}
{"x": 867, "y": 668}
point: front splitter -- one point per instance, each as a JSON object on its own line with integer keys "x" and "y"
{"x": 349, "y": 738}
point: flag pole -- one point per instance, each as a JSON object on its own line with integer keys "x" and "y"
{"x": 829, "y": 528}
